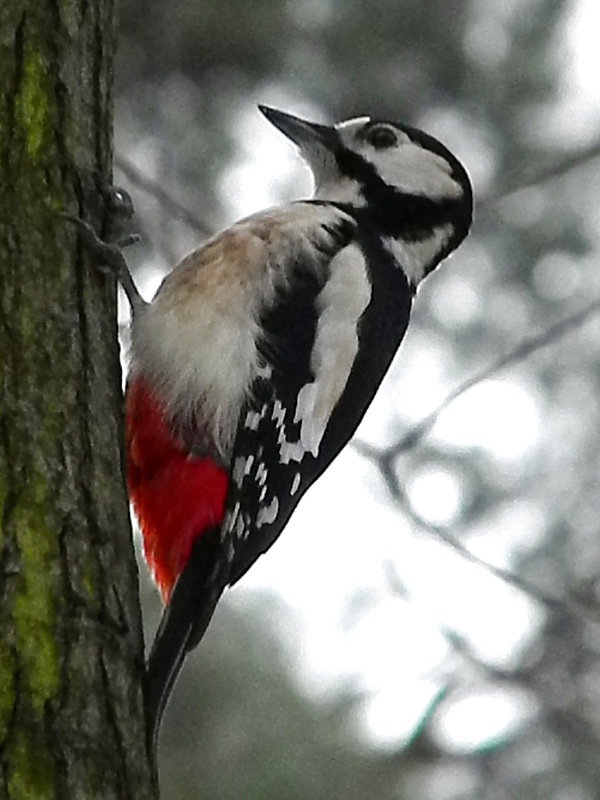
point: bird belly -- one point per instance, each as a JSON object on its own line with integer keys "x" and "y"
{"x": 176, "y": 496}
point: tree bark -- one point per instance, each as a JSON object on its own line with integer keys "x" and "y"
{"x": 71, "y": 649}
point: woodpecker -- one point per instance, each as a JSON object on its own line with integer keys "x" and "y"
{"x": 258, "y": 356}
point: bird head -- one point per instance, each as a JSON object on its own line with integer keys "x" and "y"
{"x": 396, "y": 180}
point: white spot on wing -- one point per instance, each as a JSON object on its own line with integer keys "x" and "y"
{"x": 238, "y": 471}
{"x": 252, "y": 420}
{"x": 230, "y": 551}
{"x": 261, "y": 474}
{"x": 295, "y": 484}
{"x": 268, "y": 514}
{"x": 240, "y": 528}
{"x": 230, "y": 521}
{"x": 291, "y": 451}
{"x": 278, "y": 414}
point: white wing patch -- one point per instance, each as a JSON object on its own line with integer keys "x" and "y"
{"x": 340, "y": 304}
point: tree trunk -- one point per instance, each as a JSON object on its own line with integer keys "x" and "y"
{"x": 71, "y": 649}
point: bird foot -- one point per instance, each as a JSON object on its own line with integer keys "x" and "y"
{"x": 109, "y": 254}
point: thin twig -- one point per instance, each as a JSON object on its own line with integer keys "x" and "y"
{"x": 555, "y": 604}
{"x": 516, "y": 355}
{"x": 448, "y": 538}
{"x": 559, "y": 605}
{"x": 169, "y": 204}
{"x": 567, "y": 164}
{"x": 457, "y": 641}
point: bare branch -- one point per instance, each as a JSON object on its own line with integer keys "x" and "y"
{"x": 517, "y": 355}
{"x": 457, "y": 641}
{"x": 537, "y": 178}
{"x": 169, "y": 204}
{"x": 571, "y": 605}
{"x": 559, "y": 605}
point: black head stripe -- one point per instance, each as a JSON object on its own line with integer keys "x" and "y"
{"x": 398, "y": 214}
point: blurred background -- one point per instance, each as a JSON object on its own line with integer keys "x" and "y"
{"x": 428, "y": 626}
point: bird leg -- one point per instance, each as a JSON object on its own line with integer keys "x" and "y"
{"x": 109, "y": 255}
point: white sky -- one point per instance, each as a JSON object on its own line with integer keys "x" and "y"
{"x": 583, "y": 43}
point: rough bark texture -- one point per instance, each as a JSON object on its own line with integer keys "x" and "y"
{"x": 71, "y": 651}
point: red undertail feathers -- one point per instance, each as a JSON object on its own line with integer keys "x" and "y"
{"x": 176, "y": 496}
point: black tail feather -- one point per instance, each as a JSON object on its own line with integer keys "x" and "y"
{"x": 183, "y": 623}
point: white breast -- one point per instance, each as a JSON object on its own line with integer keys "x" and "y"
{"x": 196, "y": 342}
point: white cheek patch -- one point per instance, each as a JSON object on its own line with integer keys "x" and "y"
{"x": 340, "y": 304}
{"x": 414, "y": 170}
{"x": 415, "y": 258}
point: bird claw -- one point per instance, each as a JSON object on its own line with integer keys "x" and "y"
{"x": 109, "y": 255}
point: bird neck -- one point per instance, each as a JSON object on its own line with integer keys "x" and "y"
{"x": 414, "y": 231}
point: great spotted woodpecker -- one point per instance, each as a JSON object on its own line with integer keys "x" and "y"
{"x": 261, "y": 351}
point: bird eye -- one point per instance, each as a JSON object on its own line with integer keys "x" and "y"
{"x": 381, "y": 137}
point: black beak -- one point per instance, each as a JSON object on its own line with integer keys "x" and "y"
{"x": 304, "y": 134}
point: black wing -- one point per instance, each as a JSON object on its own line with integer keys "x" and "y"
{"x": 271, "y": 469}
